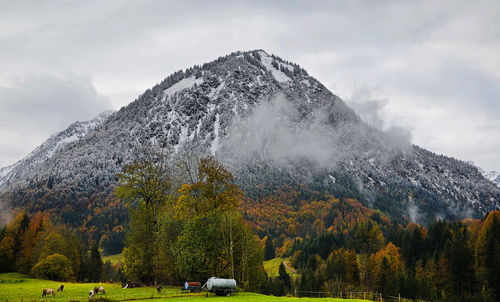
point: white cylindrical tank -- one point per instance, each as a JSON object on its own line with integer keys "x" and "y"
{"x": 215, "y": 283}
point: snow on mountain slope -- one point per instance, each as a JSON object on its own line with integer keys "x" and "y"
{"x": 182, "y": 84}
{"x": 494, "y": 177}
{"x": 5, "y": 170}
{"x": 275, "y": 127}
{"x": 268, "y": 61}
{"x": 47, "y": 149}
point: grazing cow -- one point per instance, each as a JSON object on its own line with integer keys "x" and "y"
{"x": 91, "y": 294}
{"x": 48, "y": 291}
{"x": 61, "y": 288}
{"x": 99, "y": 289}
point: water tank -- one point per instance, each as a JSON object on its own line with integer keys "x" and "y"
{"x": 215, "y": 283}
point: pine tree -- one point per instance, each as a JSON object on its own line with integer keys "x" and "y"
{"x": 384, "y": 278}
{"x": 461, "y": 261}
{"x": 284, "y": 277}
{"x": 269, "y": 252}
{"x": 96, "y": 266}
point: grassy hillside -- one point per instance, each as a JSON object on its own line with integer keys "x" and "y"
{"x": 117, "y": 258}
{"x": 272, "y": 266}
{"x": 17, "y": 287}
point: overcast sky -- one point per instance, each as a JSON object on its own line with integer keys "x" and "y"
{"x": 431, "y": 68}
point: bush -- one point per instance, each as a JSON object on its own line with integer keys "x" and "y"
{"x": 54, "y": 267}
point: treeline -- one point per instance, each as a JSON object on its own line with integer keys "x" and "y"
{"x": 98, "y": 216}
{"x": 284, "y": 216}
{"x": 447, "y": 261}
{"x": 41, "y": 246}
{"x": 187, "y": 231}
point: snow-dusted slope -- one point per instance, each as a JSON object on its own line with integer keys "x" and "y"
{"x": 47, "y": 149}
{"x": 493, "y": 176}
{"x": 276, "y": 127}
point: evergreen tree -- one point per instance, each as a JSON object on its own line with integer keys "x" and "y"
{"x": 307, "y": 280}
{"x": 284, "y": 277}
{"x": 96, "y": 266}
{"x": 384, "y": 277}
{"x": 461, "y": 261}
{"x": 269, "y": 251}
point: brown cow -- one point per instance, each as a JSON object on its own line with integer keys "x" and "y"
{"x": 48, "y": 291}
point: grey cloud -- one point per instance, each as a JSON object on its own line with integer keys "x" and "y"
{"x": 33, "y": 108}
{"x": 454, "y": 84}
{"x": 6, "y": 214}
{"x": 368, "y": 107}
{"x": 413, "y": 211}
{"x": 276, "y": 131}
{"x": 371, "y": 109}
{"x": 272, "y": 130}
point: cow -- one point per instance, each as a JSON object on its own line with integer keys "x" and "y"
{"x": 91, "y": 294}
{"x": 158, "y": 288}
{"x": 48, "y": 291}
{"x": 99, "y": 289}
{"x": 61, "y": 288}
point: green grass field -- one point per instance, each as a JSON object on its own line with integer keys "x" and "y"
{"x": 17, "y": 287}
{"x": 272, "y": 266}
{"x": 117, "y": 258}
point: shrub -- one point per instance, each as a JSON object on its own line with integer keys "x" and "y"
{"x": 54, "y": 267}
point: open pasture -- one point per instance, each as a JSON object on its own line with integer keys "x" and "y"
{"x": 17, "y": 287}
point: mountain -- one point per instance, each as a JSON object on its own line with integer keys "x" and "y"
{"x": 276, "y": 127}
{"x": 47, "y": 149}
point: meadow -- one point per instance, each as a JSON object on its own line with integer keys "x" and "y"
{"x": 114, "y": 259}
{"x": 18, "y": 287}
{"x": 272, "y": 266}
